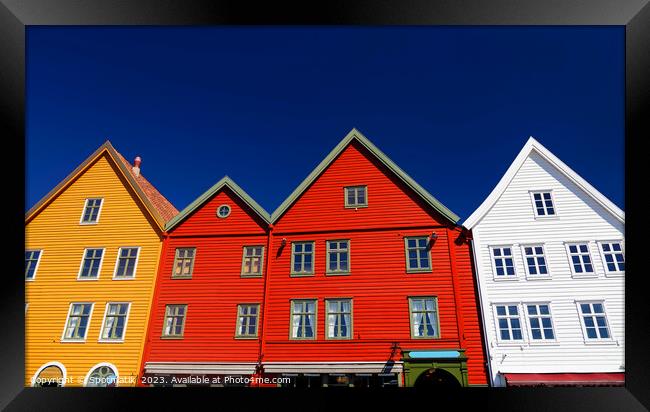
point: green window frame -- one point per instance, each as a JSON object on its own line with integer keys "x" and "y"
{"x": 304, "y": 318}
{"x": 252, "y": 257}
{"x": 301, "y": 253}
{"x": 423, "y": 315}
{"x": 418, "y": 251}
{"x": 355, "y": 196}
{"x": 184, "y": 262}
{"x": 174, "y": 325}
{"x": 247, "y": 320}
{"x": 338, "y": 257}
{"x": 338, "y": 318}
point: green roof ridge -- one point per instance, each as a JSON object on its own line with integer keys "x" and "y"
{"x": 223, "y": 182}
{"x": 356, "y": 134}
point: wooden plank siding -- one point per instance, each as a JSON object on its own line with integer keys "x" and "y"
{"x": 511, "y": 221}
{"x": 215, "y": 288}
{"x": 378, "y": 283}
{"x": 56, "y": 230}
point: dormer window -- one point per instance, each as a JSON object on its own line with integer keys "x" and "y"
{"x": 92, "y": 208}
{"x": 356, "y": 196}
{"x": 543, "y": 204}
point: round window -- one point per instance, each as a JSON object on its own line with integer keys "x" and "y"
{"x": 223, "y": 211}
{"x": 103, "y": 376}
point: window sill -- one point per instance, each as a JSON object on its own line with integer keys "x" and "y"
{"x": 356, "y": 207}
{"x": 181, "y": 277}
{"x": 110, "y": 341}
{"x": 552, "y": 217}
{"x": 606, "y": 342}
{"x": 88, "y": 223}
{"x": 538, "y": 277}
{"x": 88, "y": 279}
{"x": 587, "y": 276}
{"x": 419, "y": 270}
{"x": 512, "y": 278}
{"x": 171, "y": 337}
{"x": 124, "y": 278}
{"x": 247, "y": 337}
{"x": 30, "y": 279}
{"x": 73, "y": 340}
{"x": 337, "y": 273}
{"x": 301, "y": 275}
{"x": 251, "y": 276}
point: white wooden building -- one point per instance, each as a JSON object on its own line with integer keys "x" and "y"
{"x": 549, "y": 256}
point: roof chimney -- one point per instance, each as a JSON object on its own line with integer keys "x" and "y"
{"x": 136, "y": 166}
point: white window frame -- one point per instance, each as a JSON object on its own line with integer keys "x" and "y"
{"x": 598, "y": 341}
{"x": 67, "y": 319}
{"x": 574, "y": 274}
{"x": 522, "y": 324}
{"x": 38, "y": 262}
{"x": 219, "y": 208}
{"x": 609, "y": 273}
{"x": 99, "y": 365}
{"x": 543, "y": 341}
{"x": 135, "y": 266}
{"x": 505, "y": 277}
{"x": 99, "y": 212}
{"x": 525, "y": 261}
{"x": 99, "y": 269}
{"x": 47, "y": 365}
{"x": 532, "y": 200}
{"x": 126, "y": 322}
{"x": 345, "y": 197}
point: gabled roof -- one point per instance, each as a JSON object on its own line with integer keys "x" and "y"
{"x": 224, "y": 182}
{"x": 352, "y": 136}
{"x": 155, "y": 203}
{"x": 531, "y": 146}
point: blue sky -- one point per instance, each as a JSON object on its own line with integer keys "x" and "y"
{"x": 264, "y": 105}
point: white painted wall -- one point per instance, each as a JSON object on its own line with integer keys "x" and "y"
{"x": 511, "y": 221}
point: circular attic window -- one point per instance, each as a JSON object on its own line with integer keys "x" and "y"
{"x": 223, "y": 211}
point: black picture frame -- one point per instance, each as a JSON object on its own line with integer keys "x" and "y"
{"x": 15, "y": 15}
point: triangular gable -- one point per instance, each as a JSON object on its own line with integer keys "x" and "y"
{"x": 530, "y": 146}
{"x": 205, "y": 197}
{"x": 136, "y": 185}
{"x": 385, "y": 160}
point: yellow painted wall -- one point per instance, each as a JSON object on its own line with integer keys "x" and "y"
{"x": 56, "y": 230}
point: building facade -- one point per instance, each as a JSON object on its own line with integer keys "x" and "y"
{"x": 360, "y": 278}
{"x": 549, "y": 252}
{"x": 91, "y": 255}
{"x": 210, "y": 291}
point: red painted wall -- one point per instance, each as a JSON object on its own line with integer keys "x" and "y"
{"x": 378, "y": 284}
{"x": 215, "y": 289}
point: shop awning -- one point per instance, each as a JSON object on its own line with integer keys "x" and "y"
{"x": 565, "y": 379}
{"x": 169, "y": 368}
{"x": 333, "y": 367}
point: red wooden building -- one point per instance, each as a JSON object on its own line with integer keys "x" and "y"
{"x": 365, "y": 280}
{"x": 210, "y": 275}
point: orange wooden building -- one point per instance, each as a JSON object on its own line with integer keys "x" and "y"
{"x": 91, "y": 255}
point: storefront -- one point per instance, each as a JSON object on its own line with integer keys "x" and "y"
{"x": 434, "y": 367}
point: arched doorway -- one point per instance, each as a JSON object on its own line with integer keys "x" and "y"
{"x": 50, "y": 375}
{"x": 436, "y": 377}
{"x": 102, "y": 375}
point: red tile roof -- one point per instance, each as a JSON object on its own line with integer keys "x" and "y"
{"x": 159, "y": 202}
